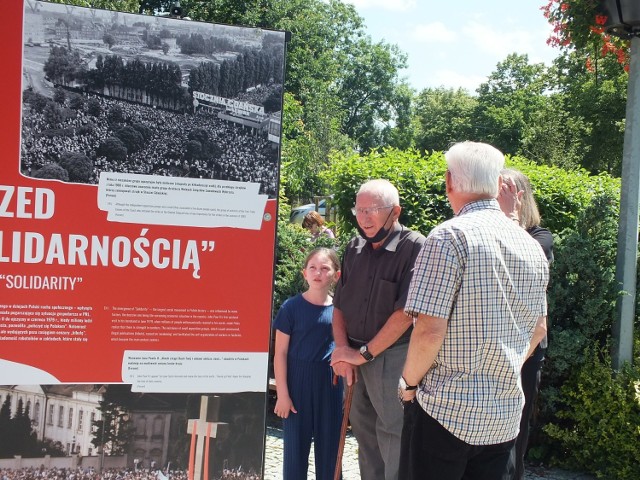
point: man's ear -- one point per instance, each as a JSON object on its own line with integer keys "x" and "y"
{"x": 397, "y": 210}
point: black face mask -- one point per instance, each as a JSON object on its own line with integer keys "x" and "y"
{"x": 380, "y": 234}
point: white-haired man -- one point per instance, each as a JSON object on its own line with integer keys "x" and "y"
{"x": 370, "y": 327}
{"x": 478, "y": 300}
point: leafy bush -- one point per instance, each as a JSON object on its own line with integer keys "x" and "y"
{"x": 116, "y": 115}
{"x": 113, "y": 149}
{"x": 290, "y": 252}
{"x": 52, "y": 171}
{"x": 93, "y": 107}
{"x": 37, "y": 100}
{"x": 86, "y": 129}
{"x": 582, "y": 296}
{"x": 76, "y": 102}
{"x": 78, "y": 166}
{"x": 130, "y": 137}
{"x": 59, "y": 95}
{"x": 144, "y": 130}
{"x": 563, "y": 194}
{"x": 583, "y": 289}
{"x": 601, "y": 420}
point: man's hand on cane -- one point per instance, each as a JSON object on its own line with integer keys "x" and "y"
{"x": 345, "y": 370}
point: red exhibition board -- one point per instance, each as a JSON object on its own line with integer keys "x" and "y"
{"x": 153, "y": 268}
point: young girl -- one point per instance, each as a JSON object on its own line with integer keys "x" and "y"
{"x": 308, "y": 401}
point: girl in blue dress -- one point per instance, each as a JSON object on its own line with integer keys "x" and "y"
{"x": 308, "y": 401}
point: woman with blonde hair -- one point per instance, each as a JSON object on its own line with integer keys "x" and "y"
{"x": 518, "y": 203}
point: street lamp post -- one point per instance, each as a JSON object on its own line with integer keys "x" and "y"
{"x": 623, "y": 20}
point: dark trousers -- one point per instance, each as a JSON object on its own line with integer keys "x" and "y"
{"x": 530, "y": 376}
{"x": 430, "y": 452}
{"x": 319, "y": 418}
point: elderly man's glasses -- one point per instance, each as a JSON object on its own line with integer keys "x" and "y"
{"x": 369, "y": 210}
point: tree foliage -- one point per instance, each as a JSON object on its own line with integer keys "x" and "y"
{"x": 564, "y": 115}
{"x": 52, "y": 171}
{"x": 78, "y": 166}
{"x": 132, "y": 139}
{"x": 599, "y": 421}
{"x": 113, "y": 149}
{"x": 367, "y": 89}
{"x": 114, "y": 431}
{"x": 580, "y": 25}
{"x": 582, "y": 296}
{"x": 444, "y": 116}
{"x": 307, "y": 146}
{"x": 508, "y": 100}
{"x": 18, "y": 437}
{"x": 595, "y": 103}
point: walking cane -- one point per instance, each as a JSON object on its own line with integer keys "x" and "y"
{"x": 343, "y": 429}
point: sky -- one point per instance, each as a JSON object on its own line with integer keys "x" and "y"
{"x": 458, "y": 43}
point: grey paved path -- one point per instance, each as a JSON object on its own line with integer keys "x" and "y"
{"x": 273, "y": 462}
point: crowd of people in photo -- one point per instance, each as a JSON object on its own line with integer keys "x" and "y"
{"x": 79, "y": 473}
{"x": 243, "y": 154}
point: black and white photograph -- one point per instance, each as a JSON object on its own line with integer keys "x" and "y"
{"x": 105, "y": 431}
{"x": 106, "y": 91}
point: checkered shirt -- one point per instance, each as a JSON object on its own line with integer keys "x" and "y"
{"x": 487, "y": 277}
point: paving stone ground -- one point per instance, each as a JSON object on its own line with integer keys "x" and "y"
{"x": 350, "y": 470}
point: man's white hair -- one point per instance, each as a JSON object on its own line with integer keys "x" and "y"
{"x": 475, "y": 167}
{"x": 383, "y": 189}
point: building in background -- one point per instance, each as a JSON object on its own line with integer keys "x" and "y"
{"x": 61, "y": 413}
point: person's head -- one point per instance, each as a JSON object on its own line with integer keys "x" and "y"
{"x": 473, "y": 172}
{"x": 313, "y": 221}
{"x": 528, "y": 213}
{"x": 377, "y": 208}
{"x": 321, "y": 268}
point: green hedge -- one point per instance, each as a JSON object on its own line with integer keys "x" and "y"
{"x": 561, "y": 195}
{"x": 598, "y": 430}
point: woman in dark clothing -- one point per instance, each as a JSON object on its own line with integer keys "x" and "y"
{"x": 517, "y": 202}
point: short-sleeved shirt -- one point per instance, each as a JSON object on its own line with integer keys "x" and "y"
{"x": 487, "y": 277}
{"x": 309, "y": 329}
{"x": 375, "y": 282}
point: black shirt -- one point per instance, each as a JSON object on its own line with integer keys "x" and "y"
{"x": 375, "y": 282}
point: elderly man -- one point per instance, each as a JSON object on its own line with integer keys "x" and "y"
{"x": 478, "y": 300}
{"x": 370, "y": 328}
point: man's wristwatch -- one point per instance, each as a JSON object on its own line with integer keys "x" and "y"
{"x": 403, "y": 385}
{"x": 366, "y": 354}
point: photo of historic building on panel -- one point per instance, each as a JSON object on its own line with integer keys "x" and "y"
{"x": 105, "y": 428}
{"x": 106, "y": 91}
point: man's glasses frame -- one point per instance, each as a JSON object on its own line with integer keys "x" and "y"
{"x": 369, "y": 210}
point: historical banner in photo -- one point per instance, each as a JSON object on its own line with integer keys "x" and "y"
{"x": 138, "y": 199}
